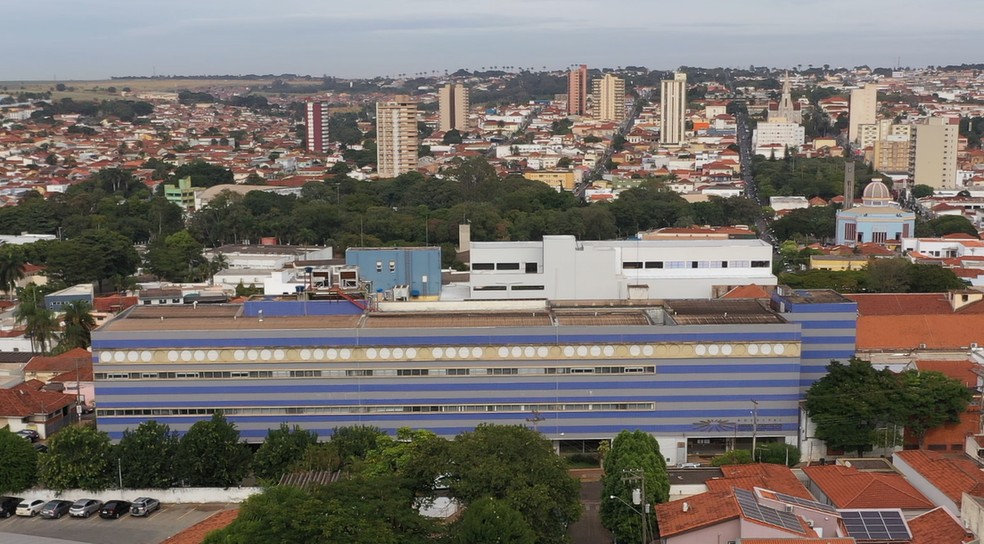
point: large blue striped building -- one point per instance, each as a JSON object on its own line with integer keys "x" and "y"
{"x": 701, "y": 375}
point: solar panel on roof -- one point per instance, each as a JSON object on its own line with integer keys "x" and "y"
{"x": 751, "y": 509}
{"x": 875, "y": 525}
{"x": 789, "y": 499}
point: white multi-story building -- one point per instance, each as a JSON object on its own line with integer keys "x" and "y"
{"x": 864, "y": 109}
{"x": 784, "y": 134}
{"x": 673, "y": 109}
{"x": 562, "y": 268}
{"x": 936, "y": 153}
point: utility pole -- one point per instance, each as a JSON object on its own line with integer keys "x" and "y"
{"x": 755, "y": 407}
{"x": 633, "y": 475}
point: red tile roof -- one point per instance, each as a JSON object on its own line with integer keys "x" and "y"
{"x": 746, "y": 291}
{"x": 70, "y": 360}
{"x": 798, "y": 541}
{"x": 25, "y": 400}
{"x": 846, "y": 487}
{"x": 962, "y": 370}
{"x": 937, "y": 527}
{"x": 703, "y": 510}
{"x": 951, "y": 476}
{"x": 197, "y": 532}
{"x": 764, "y": 475}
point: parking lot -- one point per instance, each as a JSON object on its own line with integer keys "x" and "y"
{"x": 170, "y": 519}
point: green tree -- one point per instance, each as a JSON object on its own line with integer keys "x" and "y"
{"x": 204, "y": 174}
{"x": 282, "y": 447}
{"x": 952, "y": 224}
{"x": 210, "y": 454}
{"x": 79, "y": 457}
{"x": 889, "y": 275}
{"x": 733, "y": 457}
{"x": 519, "y": 466}
{"x": 417, "y": 456}
{"x": 354, "y": 443}
{"x": 20, "y": 463}
{"x": 354, "y": 511}
{"x": 452, "y": 137}
{"x": 631, "y": 451}
{"x": 930, "y": 400}
{"x": 778, "y": 453}
{"x": 78, "y": 320}
{"x": 922, "y": 191}
{"x": 490, "y": 521}
{"x": 147, "y": 456}
{"x": 11, "y": 268}
{"x": 39, "y": 323}
{"x": 851, "y": 402}
{"x": 177, "y": 258}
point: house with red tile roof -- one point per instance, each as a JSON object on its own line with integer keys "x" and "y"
{"x": 724, "y": 516}
{"x": 911, "y": 321}
{"x": 845, "y": 487}
{"x": 765, "y": 475}
{"x": 27, "y": 406}
{"x": 938, "y": 527}
{"x": 942, "y": 479}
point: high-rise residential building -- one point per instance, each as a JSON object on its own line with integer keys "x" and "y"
{"x": 785, "y": 111}
{"x": 396, "y": 136}
{"x": 608, "y": 98}
{"x": 454, "y": 105}
{"x": 893, "y": 154}
{"x": 936, "y": 153}
{"x": 864, "y": 110}
{"x": 316, "y": 124}
{"x": 577, "y": 90}
{"x": 673, "y": 109}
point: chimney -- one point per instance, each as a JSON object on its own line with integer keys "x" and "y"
{"x": 848, "y": 184}
{"x": 686, "y": 506}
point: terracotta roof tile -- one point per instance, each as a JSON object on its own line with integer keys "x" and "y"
{"x": 746, "y": 291}
{"x": 962, "y": 370}
{"x": 704, "y": 510}
{"x": 60, "y": 363}
{"x": 937, "y": 527}
{"x": 764, "y": 475}
{"x": 846, "y": 487}
{"x": 951, "y": 476}
{"x": 197, "y": 532}
{"x": 25, "y": 401}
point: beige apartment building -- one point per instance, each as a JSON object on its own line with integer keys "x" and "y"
{"x": 673, "y": 109}
{"x": 864, "y": 110}
{"x": 453, "y": 102}
{"x": 893, "y": 154}
{"x": 608, "y": 98}
{"x": 936, "y": 153}
{"x": 396, "y": 136}
{"x": 577, "y": 90}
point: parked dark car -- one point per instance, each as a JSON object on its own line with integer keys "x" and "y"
{"x": 143, "y": 506}
{"x": 55, "y": 509}
{"x": 8, "y": 506}
{"x": 28, "y": 434}
{"x": 114, "y": 509}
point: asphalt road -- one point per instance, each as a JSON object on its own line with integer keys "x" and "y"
{"x": 588, "y": 529}
{"x": 167, "y": 521}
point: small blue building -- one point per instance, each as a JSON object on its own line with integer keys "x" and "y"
{"x": 418, "y": 268}
{"x": 55, "y": 301}
{"x": 877, "y": 220}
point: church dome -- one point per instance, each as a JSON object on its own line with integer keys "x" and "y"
{"x": 876, "y": 193}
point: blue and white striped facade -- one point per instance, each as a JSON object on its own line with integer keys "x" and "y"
{"x": 680, "y": 382}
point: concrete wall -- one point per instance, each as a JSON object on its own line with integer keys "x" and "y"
{"x": 178, "y": 495}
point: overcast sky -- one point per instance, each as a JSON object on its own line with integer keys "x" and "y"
{"x": 93, "y": 39}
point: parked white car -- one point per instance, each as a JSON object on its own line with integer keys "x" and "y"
{"x": 30, "y": 507}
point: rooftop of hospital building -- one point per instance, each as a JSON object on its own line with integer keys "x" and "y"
{"x": 462, "y": 314}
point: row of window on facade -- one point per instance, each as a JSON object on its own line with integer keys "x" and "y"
{"x": 639, "y": 265}
{"x": 453, "y": 408}
{"x": 365, "y": 373}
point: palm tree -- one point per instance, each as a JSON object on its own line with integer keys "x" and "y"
{"x": 39, "y": 323}
{"x": 11, "y": 270}
{"x": 79, "y": 323}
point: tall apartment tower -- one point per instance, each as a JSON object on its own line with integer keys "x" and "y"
{"x": 316, "y": 124}
{"x": 454, "y": 106}
{"x": 864, "y": 110}
{"x": 577, "y": 90}
{"x": 673, "y": 109}
{"x": 936, "y": 153}
{"x": 396, "y": 136}
{"x": 608, "y": 98}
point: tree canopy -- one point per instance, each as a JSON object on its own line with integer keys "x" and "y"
{"x": 632, "y": 451}
{"x": 856, "y": 406}
{"x": 78, "y": 457}
{"x": 210, "y": 454}
{"x": 20, "y": 463}
{"x": 147, "y": 456}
